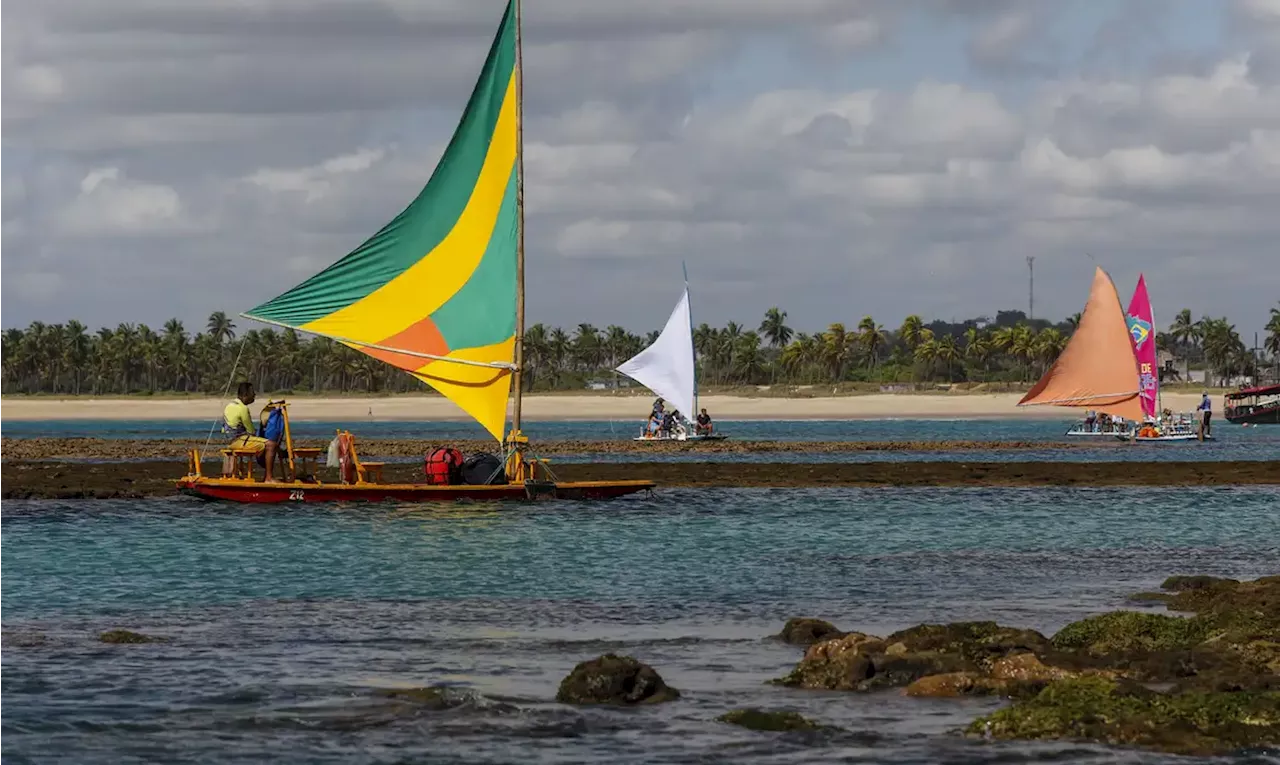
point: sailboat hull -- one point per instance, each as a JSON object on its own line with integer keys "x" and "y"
{"x": 253, "y": 492}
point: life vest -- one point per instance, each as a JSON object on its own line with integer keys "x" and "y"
{"x": 443, "y": 466}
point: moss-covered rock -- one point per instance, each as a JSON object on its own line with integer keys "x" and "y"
{"x": 127, "y": 636}
{"x": 953, "y": 685}
{"x": 838, "y": 665}
{"x": 807, "y": 631}
{"x": 1130, "y": 631}
{"x": 612, "y": 679}
{"x": 769, "y": 720}
{"x": 978, "y": 642}
{"x": 1105, "y": 710}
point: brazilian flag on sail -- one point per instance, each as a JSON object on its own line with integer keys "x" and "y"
{"x": 434, "y": 291}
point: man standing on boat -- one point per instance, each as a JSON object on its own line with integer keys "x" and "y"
{"x": 1206, "y": 413}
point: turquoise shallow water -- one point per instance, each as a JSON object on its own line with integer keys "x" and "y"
{"x": 284, "y": 623}
{"x": 1231, "y": 442}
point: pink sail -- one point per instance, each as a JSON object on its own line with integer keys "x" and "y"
{"x": 1142, "y": 333}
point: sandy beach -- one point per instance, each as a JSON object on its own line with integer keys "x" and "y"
{"x": 569, "y": 407}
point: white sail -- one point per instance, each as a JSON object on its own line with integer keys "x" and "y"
{"x": 666, "y": 367}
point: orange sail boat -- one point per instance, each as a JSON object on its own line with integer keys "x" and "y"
{"x": 1097, "y": 370}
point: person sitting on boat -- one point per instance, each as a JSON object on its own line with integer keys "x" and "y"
{"x": 668, "y": 423}
{"x": 1090, "y": 420}
{"x": 704, "y": 426}
{"x": 237, "y": 421}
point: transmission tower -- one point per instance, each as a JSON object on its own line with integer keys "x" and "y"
{"x": 1031, "y": 287}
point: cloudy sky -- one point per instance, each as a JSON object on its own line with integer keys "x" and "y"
{"x": 831, "y": 157}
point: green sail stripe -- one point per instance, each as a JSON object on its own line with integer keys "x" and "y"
{"x": 427, "y": 220}
{"x": 483, "y": 311}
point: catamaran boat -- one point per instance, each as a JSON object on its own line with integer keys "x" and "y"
{"x": 667, "y": 368}
{"x": 1097, "y": 429}
{"x": 1109, "y": 367}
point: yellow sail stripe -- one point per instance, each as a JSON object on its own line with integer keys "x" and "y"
{"x": 481, "y": 392}
{"x": 426, "y": 285}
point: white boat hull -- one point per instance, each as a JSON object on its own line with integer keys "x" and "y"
{"x": 713, "y": 437}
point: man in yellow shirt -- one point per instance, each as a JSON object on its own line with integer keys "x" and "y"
{"x": 239, "y": 422}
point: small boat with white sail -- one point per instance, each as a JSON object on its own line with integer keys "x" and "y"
{"x": 667, "y": 368}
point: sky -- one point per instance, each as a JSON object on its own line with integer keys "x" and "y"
{"x": 834, "y": 158}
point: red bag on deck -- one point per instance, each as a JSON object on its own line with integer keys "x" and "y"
{"x": 443, "y": 467}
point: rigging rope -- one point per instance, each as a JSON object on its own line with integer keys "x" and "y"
{"x": 234, "y": 365}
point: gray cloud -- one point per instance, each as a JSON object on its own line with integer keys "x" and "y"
{"x": 178, "y": 158}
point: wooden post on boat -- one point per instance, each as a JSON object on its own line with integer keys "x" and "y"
{"x": 516, "y": 440}
{"x": 288, "y": 440}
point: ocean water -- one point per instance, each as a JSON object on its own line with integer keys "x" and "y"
{"x": 284, "y": 625}
{"x": 621, "y": 430}
{"x": 1230, "y": 442}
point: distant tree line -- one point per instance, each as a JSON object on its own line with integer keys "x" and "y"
{"x": 68, "y": 359}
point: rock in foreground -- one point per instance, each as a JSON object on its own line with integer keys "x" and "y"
{"x": 769, "y": 720}
{"x": 127, "y": 636}
{"x": 858, "y": 662}
{"x": 612, "y": 679}
{"x": 807, "y": 631}
{"x": 1103, "y": 710}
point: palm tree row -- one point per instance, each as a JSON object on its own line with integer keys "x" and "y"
{"x": 67, "y": 359}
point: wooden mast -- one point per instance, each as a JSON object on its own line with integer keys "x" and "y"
{"x": 518, "y": 375}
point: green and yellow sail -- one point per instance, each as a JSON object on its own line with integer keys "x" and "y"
{"x": 434, "y": 291}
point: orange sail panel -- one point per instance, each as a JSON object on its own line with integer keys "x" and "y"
{"x": 1097, "y": 369}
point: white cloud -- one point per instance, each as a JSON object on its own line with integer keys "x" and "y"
{"x": 787, "y": 151}
{"x": 109, "y": 204}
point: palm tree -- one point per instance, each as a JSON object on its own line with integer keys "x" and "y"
{"x": 1186, "y": 333}
{"x": 836, "y": 343}
{"x": 587, "y": 349}
{"x": 1272, "y": 343}
{"x": 910, "y": 331}
{"x": 871, "y": 336}
{"x": 775, "y": 329}
{"x": 748, "y": 362}
{"x": 926, "y": 352}
{"x": 977, "y": 349}
{"x": 77, "y": 349}
{"x": 220, "y": 327}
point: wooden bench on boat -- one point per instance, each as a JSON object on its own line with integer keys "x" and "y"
{"x": 307, "y": 463}
{"x": 237, "y": 462}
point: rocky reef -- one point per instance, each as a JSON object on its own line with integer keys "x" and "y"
{"x": 769, "y": 720}
{"x": 617, "y": 680}
{"x": 119, "y": 636}
{"x": 1207, "y": 682}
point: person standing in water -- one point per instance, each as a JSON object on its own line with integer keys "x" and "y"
{"x": 1206, "y": 413}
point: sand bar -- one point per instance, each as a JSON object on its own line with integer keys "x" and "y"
{"x": 569, "y": 407}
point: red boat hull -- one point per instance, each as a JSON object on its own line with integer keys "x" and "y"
{"x": 275, "y": 493}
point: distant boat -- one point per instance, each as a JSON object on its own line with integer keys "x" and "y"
{"x": 1253, "y": 406}
{"x": 668, "y": 369}
{"x": 1098, "y": 370}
